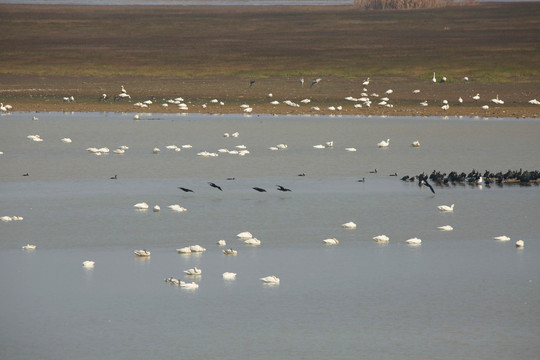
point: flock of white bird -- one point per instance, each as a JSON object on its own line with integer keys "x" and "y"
{"x": 365, "y": 99}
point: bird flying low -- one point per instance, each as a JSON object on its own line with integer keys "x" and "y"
{"x": 259, "y": 189}
{"x": 281, "y": 188}
{"x": 215, "y": 186}
{"x": 185, "y": 189}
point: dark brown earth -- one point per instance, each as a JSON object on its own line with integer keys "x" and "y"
{"x": 200, "y": 53}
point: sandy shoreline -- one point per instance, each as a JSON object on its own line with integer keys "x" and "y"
{"x": 233, "y": 92}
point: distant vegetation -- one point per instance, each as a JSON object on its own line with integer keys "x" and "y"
{"x": 406, "y": 4}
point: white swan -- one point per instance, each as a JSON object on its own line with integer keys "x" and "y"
{"x": 222, "y": 243}
{"x": 189, "y": 286}
{"x": 351, "y": 149}
{"x": 415, "y": 143}
{"x": 501, "y": 238}
{"x": 252, "y": 241}
{"x": 272, "y": 279}
{"x": 184, "y": 250}
{"x": 445, "y": 228}
{"x": 349, "y": 225}
{"x": 88, "y": 264}
{"x": 66, "y": 140}
{"x": 446, "y": 208}
{"x": 414, "y": 241}
{"x": 156, "y": 208}
{"x": 229, "y": 275}
{"x": 177, "y": 208}
{"x": 434, "y": 78}
{"x": 29, "y": 247}
{"x": 197, "y": 248}
{"x": 193, "y": 271}
{"x": 384, "y": 144}
{"x": 141, "y": 206}
{"x": 142, "y": 253}
{"x": 381, "y": 238}
{"x": 520, "y": 243}
{"x": 230, "y": 252}
{"x": 245, "y": 235}
{"x": 332, "y": 241}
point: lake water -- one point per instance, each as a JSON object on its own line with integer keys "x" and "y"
{"x": 459, "y": 295}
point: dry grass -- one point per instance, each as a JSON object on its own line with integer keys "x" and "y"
{"x": 200, "y": 51}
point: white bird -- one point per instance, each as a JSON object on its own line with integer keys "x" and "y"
{"x": 197, "y": 248}
{"x": 156, "y": 150}
{"x": 384, "y": 144}
{"x": 222, "y": 243}
{"x": 177, "y": 208}
{"x": 65, "y": 140}
{"x": 88, "y": 264}
{"x": 414, "y": 241}
{"x": 252, "y": 241}
{"x": 416, "y": 91}
{"x": 434, "y": 78}
{"x": 445, "y": 228}
{"x": 229, "y": 275}
{"x": 230, "y": 252}
{"x": 29, "y": 247}
{"x": 349, "y": 225}
{"x": 141, "y": 206}
{"x": 497, "y": 100}
{"x": 320, "y": 146}
{"x": 351, "y": 149}
{"x": 389, "y": 91}
{"x": 424, "y": 103}
{"x": 245, "y": 235}
{"x": 476, "y": 97}
{"x": 415, "y": 143}
{"x": 381, "y": 238}
{"x": 272, "y": 279}
{"x": 485, "y": 107}
{"x": 156, "y": 208}
{"x": 123, "y": 90}
{"x": 446, "y": 208}
{"x": 189, "y": 286}
{"x": 193, "y": 271}
{"x": 184, "y": 250}
{"x": 332, "y": 241}
{"x": 501, "y": 238}
{"x": 460, "y": 100}
{"x": 142, "y": 253}
{"x": 520, "y": 243}
{"x": 366, "y": 82}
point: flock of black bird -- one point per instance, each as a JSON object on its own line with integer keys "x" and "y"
{"x": 256, "y": 188}
{"x": 522, "y": 177}
{"x": 475, "y": 177}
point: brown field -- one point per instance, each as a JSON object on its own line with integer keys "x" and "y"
{"x": 48, "y": 52}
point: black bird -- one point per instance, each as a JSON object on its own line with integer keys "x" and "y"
{"x": 185, "y": 189}
{"x": 259, "y": 189}
{"x": 281, "y": 188}
{"x": 231, "y": 178}
{"x": 424, "y": 182}
{"x": 251, "y": 82}
{"x": 302, "y": 174}
{"x": 215, "y": 186}
{"x": 373, "y": 171}
{"x": 114, "y": 177}
{"x": 394, "y": 174}
{"x": 25, "y": 174}
{"x": 362, "y": 180}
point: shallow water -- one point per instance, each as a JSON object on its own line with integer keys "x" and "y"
{"x": 459, "y": 295}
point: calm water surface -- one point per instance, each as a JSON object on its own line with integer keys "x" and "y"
{"x": 460, "y": 295}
